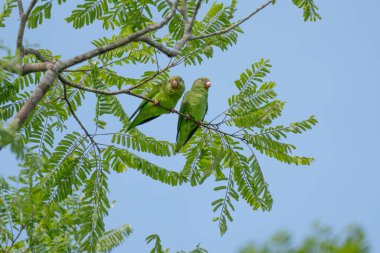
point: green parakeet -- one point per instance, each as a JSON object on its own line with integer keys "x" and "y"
{"x": 194, "y": 105}
{"x": 166, "y": 94}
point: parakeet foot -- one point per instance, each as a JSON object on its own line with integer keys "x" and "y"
{"x": 156, "y": 102}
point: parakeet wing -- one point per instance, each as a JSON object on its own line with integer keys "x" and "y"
{"x": 147, "y": 120}
{"x": 187, "y": 128}
{"x": 183, "y": 109}
{"x": 196, "y": 126}
{"x": 192, "y": 132}
{"x": 205, "y": 112}
{"x": 150, "y": 95}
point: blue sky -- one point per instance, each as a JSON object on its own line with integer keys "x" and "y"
{"x": 328, "y": 69}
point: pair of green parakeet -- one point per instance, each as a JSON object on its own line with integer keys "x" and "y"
{"x": 194, "y": 106}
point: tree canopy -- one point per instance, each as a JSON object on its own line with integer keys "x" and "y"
{"x": 59, "y": 200}
{"x": 321, "y": 239}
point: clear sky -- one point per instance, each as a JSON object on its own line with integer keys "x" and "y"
{"x": 329, "y": 69}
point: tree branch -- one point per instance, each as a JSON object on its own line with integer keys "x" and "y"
{"x": 121, "y": 42}
{"x": 25, "y": 69}
{"x": 31, "y": 103}
{"x": 53, "y": 69}
{"x": 103, "y": 92}
{"x": 30, "y": 8}
{"x": 77, "y": 119}
{"x": 20, "y": 8}
{"x": 126, "y": 91}
{"x": 188, "y": 36}
{"x": 36, "y": 53}
{"x": 183, "y": 11}
{"x": 197, "y": 7}
{"x": 170, "y": 53}
{"x": 170, "y": 3}
{"x": 24, "y": 19}
{"x": 213, "y": 127}
{"x": 36, "y": 67}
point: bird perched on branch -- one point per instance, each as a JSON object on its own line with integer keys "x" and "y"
{"x": 194, "y": 106}
{"x": 164, "y": 95}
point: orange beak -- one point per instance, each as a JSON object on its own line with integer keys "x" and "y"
{"x": 175, "y": 84}
{"x": 208, "y": 84}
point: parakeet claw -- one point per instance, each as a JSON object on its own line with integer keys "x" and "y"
{"x": 187, "y": 116}
{"x": 156, "y": 102}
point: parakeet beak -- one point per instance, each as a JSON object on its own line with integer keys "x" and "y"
{"x": 208, "y": 84}
{"x": 175, "y": 83}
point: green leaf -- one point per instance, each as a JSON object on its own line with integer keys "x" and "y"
{"x": 122, "y": 156}
{"x": 113, "y": 238}
{"x": 6, "y": 12}
{"x": 310, "y": 10}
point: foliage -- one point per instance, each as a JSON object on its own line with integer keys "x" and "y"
{"x": 252, "y": 110}
{"x": 322, "y": 239}
{"x": 6, "y": 11}
{"x": 31, "y": 220}
{"x": 310, "y": 10}
{"x": 60, "y": 199}
{"x": 158, "y": 248}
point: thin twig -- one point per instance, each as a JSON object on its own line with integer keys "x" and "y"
{"x": 36, "y": 53}
{"x": 21, "y": 30}
{"x": 14, "y": 240}
{"x": 157, "y": 63}
{"x": 77, "y": 119}
{"x": 197, "y": 7}
{"x": 183, "y": 11}
{"x": 203, "y": 36}
{"x": 170, "y": 3}
{"x": 20, "y": 8}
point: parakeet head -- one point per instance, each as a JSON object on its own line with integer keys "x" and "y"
{"x": 202, "y": 83}
{"x": 176, "y": 82}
